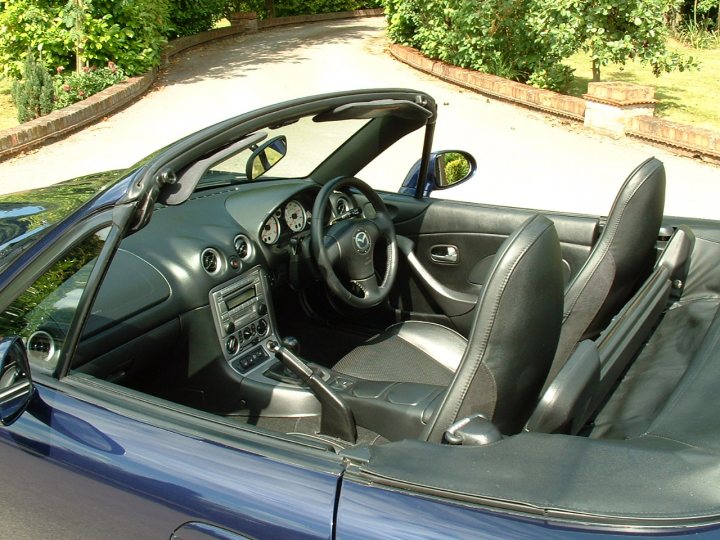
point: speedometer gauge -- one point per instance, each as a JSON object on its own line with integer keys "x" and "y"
{"x": 295, "y": 216}
{"x": 270, "y": 231}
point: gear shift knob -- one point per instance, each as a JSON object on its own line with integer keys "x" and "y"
{"x": 292, "y": 344}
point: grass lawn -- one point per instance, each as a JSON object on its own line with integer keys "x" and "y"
{"x": 8, "y": 114}
{"x": 689, "y": 97}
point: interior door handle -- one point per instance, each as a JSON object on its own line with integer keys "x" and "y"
{"x": 445, "y": 254}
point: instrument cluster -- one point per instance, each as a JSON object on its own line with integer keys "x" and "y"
{"x": 295, "y": 216}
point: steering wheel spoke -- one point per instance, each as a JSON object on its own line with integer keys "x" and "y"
{"x": 370, "y": 288}
{"x": 332, "y": 249}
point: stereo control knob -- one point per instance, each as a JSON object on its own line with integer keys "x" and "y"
{"x": 262, "y": 327}
{"x": 232, "y": 345}
{"x": 247, "y": 333}
{"x": 261, "y": 309}
{"x": 229, "y": 327}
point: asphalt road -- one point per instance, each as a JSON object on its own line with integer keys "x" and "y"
{"x": 525, "y": 158}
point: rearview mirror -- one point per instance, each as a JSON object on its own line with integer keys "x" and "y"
{"x": 265, "y": 157}
{"x": 16, "y": 388}
{"x": 447, "y": 168}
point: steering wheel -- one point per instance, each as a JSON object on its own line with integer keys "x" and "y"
{"x": 349, "y": 245}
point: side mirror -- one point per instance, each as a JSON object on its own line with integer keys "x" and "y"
{"x": 447, "y": 168}
{"x": 16, "y": 387}
{"x": 265, "y": 157}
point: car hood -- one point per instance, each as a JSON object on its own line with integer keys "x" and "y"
{"x": 25, "y": 216}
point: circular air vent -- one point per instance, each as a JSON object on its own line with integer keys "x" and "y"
{"x": 211, "y": 261}
{"x": 41, "y": 347}
{"x": 243, "y": 247}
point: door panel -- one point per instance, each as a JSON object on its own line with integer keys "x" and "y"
{"x": 75, "y": 470}
{"x": 472, "y": 233}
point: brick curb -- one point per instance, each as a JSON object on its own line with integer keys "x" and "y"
{"x": 544, "y": 100}
{"x": 59, "y": 123}
{"x": 676, "y": 136}
{"x": 697, "y": 141}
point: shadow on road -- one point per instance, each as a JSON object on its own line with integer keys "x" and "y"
{"x": 238, "y": 57}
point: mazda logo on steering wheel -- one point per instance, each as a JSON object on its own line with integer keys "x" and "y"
{"x": 362, "y": 241}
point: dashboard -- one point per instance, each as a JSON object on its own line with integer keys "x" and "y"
{"x": 191, "y": 260}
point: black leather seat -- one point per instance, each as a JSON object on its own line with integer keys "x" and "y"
{"x": 499, "y": 372}
{"x": 619, "y": 262}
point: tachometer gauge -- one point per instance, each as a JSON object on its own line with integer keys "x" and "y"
{"x": 295, "y": 216}
{"x": 270, "y": 231}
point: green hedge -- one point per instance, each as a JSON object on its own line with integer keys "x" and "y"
{"x": 501, "y": 37}
{"x": 303, "y": 7}
{"x": 527, "y": 40}
{"x": 130, "y": 33}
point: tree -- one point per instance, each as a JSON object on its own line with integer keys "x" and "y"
{"x": 615, "y": 31}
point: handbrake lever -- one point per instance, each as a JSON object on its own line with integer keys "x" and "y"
{"x": 336, "y": 418}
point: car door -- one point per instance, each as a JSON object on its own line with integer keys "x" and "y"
{"x": 448, "y": 248}
{"x": 449, "y": 245}
{"x": 88, "y": 459}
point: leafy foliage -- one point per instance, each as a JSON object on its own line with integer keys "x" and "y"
{"x": 502, "y": 37}
{"x": 188, "y": 17}
{"x": 311, "y": 7}
{"x": 73, "y": 86}
{"x": 130, "y": 33}
{"x": 615, "y": 31}
{"x": 457, "y": 167}
{"x": 33, "y": 94}
{"x": 526, "y": 40}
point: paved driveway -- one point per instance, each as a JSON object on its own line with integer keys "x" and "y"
{"x": 525, "y": 158}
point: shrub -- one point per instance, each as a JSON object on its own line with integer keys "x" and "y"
{"x": 130, "y": 33}
{"x": 311, "y": 7}
{"x": 526, "y": 40}
{"x": 455, "y": 168}
{"x": 33, "y": 94}
{"x": 494, "y": 36}
{"x": 188, "y": 17}
{"x": 71, "y": 87}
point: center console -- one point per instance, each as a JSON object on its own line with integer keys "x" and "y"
{"x": 241, "y": 311}
{"x": 243, "y": 318}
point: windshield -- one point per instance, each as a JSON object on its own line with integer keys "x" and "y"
{"x": 309, "y": 143}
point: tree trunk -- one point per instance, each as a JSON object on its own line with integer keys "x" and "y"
{"x": 80, "y": 34}
{"x": 596, "y": 70}
{"x": 270, "y": 8}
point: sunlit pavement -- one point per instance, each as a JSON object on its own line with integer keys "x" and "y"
{"x": 525, "y": 158}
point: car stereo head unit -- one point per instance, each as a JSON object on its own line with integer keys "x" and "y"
{"x": 241, "y": 310}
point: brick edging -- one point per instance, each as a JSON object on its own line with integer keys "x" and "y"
{"x": 63, "y": 121}
{"x": 537, "y": 98}
{"x": 676, "y": 136}
{"x": 705, "y": 142}
{"x": 298, "y": 19}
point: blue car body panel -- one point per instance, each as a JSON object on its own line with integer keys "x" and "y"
{"x": 81, "y": 471}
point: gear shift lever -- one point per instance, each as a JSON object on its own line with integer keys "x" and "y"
{"x": 292, "y": 344}
{"x": 336, "y": 418}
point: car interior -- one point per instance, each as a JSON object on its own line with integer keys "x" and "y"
{"x": 376, "y": 325}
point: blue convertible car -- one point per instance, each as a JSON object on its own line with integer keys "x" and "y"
{"x": 263, "y": 331}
